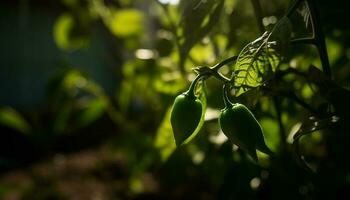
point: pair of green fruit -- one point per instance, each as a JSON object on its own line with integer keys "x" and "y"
{"x": 236, "y": 121}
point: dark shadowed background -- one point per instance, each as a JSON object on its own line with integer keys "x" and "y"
{"x": 86, "y": 87}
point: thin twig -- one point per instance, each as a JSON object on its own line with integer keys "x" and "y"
{"x": 294, "y": 7}
{"x": 258, "y": 14}
{"x": 224, "y": 62}
{"x": 282, "y": 133}
{"x": 320, "y": 38}
{"x": 300, "y": 159}
{"x": 295, "y": 98}
{"x": 307, "y": 40}
{"x": 290, "y": 70}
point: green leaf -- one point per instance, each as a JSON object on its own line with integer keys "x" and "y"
{"x": 67, "y": 34}
{"x": 126, "y": 22}
{"x": 12, "y": 119}
{"x": 164, "y": 141}
{"x": 255, "y": 62}
{"x": 270, "y": 128}
{"x": 259, "y": 59}
{"x": 169, "y": 84}
{"x": 92, "y": 110}
{"x": 79, "y": 100}
{"x": 197, "y": 20}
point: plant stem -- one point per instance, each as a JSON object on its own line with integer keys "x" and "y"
{"x": 276, "y": 100}
{"x": 290, "y": 70}
{"x": 173, "y": 29}
{"x": 213, "y": 71}
{"x": 224, "y": 62}
{"x": 320, "y": 38}
{"x": 220, "y": 77}
{"x": 318, "y": 35}
{"x": 207, "y": 72}
{"x": 300, "y": 159}
{"x": 227, "y": 101}
{"x": 258, "y": 14}
{"x": 306, "y": 40}
{"x": 294, "y": 7}
{"x": 294, "y": 97}
{"x": 283, "y": 142}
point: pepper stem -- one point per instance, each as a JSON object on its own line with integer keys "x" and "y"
{"x": 224, "y": 62}
{"x": 191, "y": 91}
{"x": 228, "y": 103}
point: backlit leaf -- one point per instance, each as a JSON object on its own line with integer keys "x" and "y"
{"x": 92, "y": 110}
{"x": 126, "y": 22}
{"x": 259, "y": 59}
{"x": 67, "y": 34}
{"x": 256, "y": 61}
{"x": 164, "y": 140}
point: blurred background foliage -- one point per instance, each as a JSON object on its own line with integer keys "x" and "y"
{"x": 87, "y": 85}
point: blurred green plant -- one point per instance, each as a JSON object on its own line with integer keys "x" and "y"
{"x": 264, "y": 54}
{"x": 11, "y": 118}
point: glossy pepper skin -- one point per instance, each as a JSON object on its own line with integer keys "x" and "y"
{"x": 185, "y": 116}
{"x": 241, "y": 127}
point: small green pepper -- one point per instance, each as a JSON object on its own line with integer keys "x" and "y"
{"x": 185, "y": 117}
{"x": 241, "y": 127}
{"x": 186, "y": 114}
